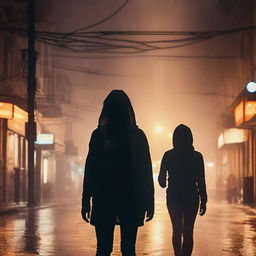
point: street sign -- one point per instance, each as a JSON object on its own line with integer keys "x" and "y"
{"x": 44, "y": 141}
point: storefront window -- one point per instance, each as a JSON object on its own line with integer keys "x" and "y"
{"x": 23, "y": 157}
{"x": 10, "y": 150}
{"x": 16, "y": 150}
{"x": 11, "y": 155}
{"x": 16, "y": 167}
{"x": 1, "y": 160}
{"x": 45, "y": 170}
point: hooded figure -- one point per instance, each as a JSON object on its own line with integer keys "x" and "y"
{"x": 118, "y": 176}
{"x": 183, "y": 138}
{"x": 184, "y": 168}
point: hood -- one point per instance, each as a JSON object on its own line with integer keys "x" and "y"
{"x": 182, "y": 137}
{"x": 116, "y": 97}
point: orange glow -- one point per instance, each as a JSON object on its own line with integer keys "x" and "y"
{"x": 17, "y": 123}
{"x": 158, "y": 129}
{"x": 220, "y": 140}
{"x": 17, "y": 126}
{"x": 232, "y": 135}
{"x": 250, "y": 110}
{"x": 170, "y": 134}
{"x": 6, "y": 110}
{"x": 20, "y": 114}
{"x": 239, "y": 113}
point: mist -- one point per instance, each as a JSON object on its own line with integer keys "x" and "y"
{"x": 165, "y": 91}
{"x": 180, "y": 62}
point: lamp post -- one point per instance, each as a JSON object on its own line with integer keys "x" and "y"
{"x": 31, "y": 125}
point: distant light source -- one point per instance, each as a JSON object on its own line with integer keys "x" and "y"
{"x": 6, "y": 110}
{"x": 158, "y": 129}
{"x": 169, "y": 134}
{"x": 251, "y": 87}
{"x": 250, "y": 110}
{"x": 80, "y": 170}
{"x": 231, "y": 136}
{"x": 45, "y": 170}
{"x": 45, "y": 139}
{"x": 210, "y": 164}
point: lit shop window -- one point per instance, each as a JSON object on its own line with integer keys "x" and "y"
{"x": 6, "y": 110}
{"x": 231, "y": 136}
{"x": 45, "y": 170}
{"x": 10, "y": 150}
{"x": 13, "y": 150}
{"x": 16, "y": 150}
{"x": 250, "y": 110}
{"x": 239, "y": 113}
{"x": 244, "y": 111}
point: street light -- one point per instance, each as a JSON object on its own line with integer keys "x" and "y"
{"x": 159, "y": 129}
{"x": 210, "y": 164}
{"x": 251, "y": 87}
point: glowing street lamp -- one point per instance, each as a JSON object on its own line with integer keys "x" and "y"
{"x": 159, "y": 129}
{"x": 251, "y": 87}
{"x": 210, "y": 164}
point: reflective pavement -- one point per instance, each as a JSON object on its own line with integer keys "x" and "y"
{"x": 60, "y": 231}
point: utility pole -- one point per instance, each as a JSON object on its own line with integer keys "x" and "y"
{"x": 31, "y": 89}
{"x": 252, "y": 31}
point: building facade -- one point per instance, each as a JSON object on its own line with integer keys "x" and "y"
{"x": 52, "y": 103}
{"x": 236, "y": 176}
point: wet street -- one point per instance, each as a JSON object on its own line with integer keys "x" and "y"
{"x": 224, "y": 230}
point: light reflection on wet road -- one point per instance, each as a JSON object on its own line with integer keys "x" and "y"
{"x": 60, "y": 231}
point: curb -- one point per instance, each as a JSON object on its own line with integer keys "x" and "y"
{"x": 15, "y": 209}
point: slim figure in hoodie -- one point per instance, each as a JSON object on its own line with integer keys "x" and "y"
{"x": 118, "y": 176}
{"x": 186, "y": 192}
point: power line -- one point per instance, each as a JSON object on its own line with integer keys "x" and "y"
{"x": 83, "y": 70}
{"x": 100, "y": 21}
{"x": 159, "y": 56}
{"x": 124, "y": 42}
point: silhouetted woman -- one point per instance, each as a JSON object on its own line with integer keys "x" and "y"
{"x": 184, "y": 168}
{"x": 118, "y": 176}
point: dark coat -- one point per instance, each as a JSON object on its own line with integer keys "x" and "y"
{"x": 184, "y": 168}
{"x": 119, "y": 180}
{"x": 186, "y": 179}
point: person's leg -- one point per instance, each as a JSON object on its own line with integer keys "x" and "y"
{"x": 176, "y": 215}
{"x": 188, "y": 228}
{"x": 105, "y": 235}
{"x": 128, "y": 239}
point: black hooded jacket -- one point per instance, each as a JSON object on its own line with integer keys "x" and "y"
{"x": 184, "y": 168}
{"x": 118, "y": 171}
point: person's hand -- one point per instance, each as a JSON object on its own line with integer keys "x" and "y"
{"x": 86, "y": 214}
{"x": 202, "y": 209}
{"x": 150, "y": 215}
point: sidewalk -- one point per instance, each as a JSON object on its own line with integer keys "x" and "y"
{"x": 248, "y": 209}
{"x": 8, "y": 208}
